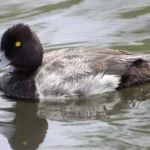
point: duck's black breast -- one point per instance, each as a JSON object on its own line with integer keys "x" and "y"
{"x": 19, "y": 85}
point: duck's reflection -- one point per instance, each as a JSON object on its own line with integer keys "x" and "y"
{"x": 97, "y": 107}
{"x": 28, "y": 127}
{"x": 27, "y": 130}
{"x": 83, "y": 109}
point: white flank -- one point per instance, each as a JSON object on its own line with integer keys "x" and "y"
{"x": 52, "y": 87}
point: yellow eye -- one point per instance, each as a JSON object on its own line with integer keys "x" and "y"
{"x": 17, "y": 44}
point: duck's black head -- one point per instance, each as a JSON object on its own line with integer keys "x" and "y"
{"x": 21, "y": 48}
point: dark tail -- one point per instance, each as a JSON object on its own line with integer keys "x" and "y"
{"x": 137, "y": 73}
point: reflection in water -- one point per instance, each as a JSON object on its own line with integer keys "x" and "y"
{"x": 95, "y": 108}
{"x": 81, "y": 110}
{"x": 28, "y": 126}
{"x": 118, "y": 120}
{"x": 27, "y": 131}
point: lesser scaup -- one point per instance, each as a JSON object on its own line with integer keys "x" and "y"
{"x": 67, "y": 73}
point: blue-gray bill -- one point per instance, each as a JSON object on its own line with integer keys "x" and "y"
{"x": 4, "y": 62}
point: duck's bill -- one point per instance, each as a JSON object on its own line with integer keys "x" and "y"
{"x": 4, "y": 62}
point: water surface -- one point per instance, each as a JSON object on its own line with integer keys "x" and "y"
{"x": 113, "y": 121}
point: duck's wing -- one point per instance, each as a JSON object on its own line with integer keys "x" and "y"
{"x": 79, "y": 62}
{"x": 95, "y": 60}
{"x": 115, "y": 64}
{"x": 131, "y": 69}
{"x": 93, "y": 50}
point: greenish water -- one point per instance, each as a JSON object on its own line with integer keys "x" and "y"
{"x": 114, "y": 121}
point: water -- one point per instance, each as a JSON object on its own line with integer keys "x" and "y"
{"x": 114, "y": 121}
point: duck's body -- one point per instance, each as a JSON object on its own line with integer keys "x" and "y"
{"x": 72, "y": 73}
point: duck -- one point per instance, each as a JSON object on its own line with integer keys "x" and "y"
{"x": 69, "y": 73}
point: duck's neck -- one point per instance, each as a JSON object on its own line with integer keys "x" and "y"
{"x": 31, "y": 65}
{"x": 24, "y": 70}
